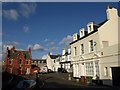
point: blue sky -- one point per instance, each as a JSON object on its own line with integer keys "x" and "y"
{"x": 47, "y": 26}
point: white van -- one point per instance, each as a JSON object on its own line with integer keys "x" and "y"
{"x": 43, "y": 69}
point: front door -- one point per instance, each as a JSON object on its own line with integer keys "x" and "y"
{"x": 28, "y": 71}
{"x": 116, "y": 76}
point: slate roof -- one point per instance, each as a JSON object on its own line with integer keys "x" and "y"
{"x": 66, "y": 53}
{"x": 65, "y": 62}
{"x": 95, "y": 30}
{"x": 54, "y": 56}
{"x": 38, "y": 59}
{"x": 84, "y": 36}
{"x": 16, "y": 53}
{"x": 100, "y": 24}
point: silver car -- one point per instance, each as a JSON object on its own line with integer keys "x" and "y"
{"x": 25, "y": 84}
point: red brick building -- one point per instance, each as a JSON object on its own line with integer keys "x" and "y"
{"x": 18, "y": 62}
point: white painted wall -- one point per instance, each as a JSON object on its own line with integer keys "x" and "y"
{"x": 87, "y": 55}
{"x": 107, "y": 56}
{"x": 49, "y": 62}
{"x": 109, "y": 30}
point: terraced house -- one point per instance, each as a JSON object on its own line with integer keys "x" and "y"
{"x": 18, "y": 62}
{"x": 53, "y": 62}
{"x": 95, "y": 51}
{"x": 40, "y": 63}
{"x": 66, "y": 59}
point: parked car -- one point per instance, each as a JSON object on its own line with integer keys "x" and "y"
{"x": 25, "y": 84}
{"x": 63, "y": 70}
{"x": 50, "y": 71}
{"x": 43, "y": 70}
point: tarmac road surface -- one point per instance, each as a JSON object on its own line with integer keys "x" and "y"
{"x": 60, "y": 80}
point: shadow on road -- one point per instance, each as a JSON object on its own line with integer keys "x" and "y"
{"x": 59, "y": 85}
{"x": 9, "y": 81}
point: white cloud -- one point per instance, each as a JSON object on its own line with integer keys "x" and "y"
{"x": 49, "y": 42}
{"x": 26, "y": 29}
{"x": 13, "y": 43}
{"x": 44, "y": 57}
{"x": 46, "y": 40}
{"x": 66, "y": 40}
{"x": 11, "y": 14}
{"x": 37, "y": 47}
{"x": 53, "y": 48}
{"x": 27, "y": 9}
{"x": 29, "y": 46}
{"x": 3, "y": 52}
{"x": 4, "y": 47}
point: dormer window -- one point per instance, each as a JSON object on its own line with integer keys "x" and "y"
{"x": 90, "y": 28}
{"x": 82, "y": 32}
{"x": 75, "y": 37}
{"x": 69, "y": 51}
{"x": 63, "y": 51}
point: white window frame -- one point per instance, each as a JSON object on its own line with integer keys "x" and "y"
{"x": 106, "y": 71}
{"x": 110, "y": 71}
{"x": 89, "y": 68}
{"x": 75, "y": 51}
{"x": 90, "y": 28}
{"x": 97, "y": 67}
{"x": 81, "y": 33}
{"x": 27, "y": 61}
{"x": 91, "y": 46}
{"x": 82, "y": 49}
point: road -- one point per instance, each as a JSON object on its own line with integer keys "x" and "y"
{"x": 60, "y": 80}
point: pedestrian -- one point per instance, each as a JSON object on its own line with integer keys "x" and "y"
{"x": 97, "y": 78}
{"x": 39, "y": 83}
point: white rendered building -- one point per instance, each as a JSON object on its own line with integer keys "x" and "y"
{"x": 66, "y": 59}
{"x": 96, "y": 51}
{"x": 53, "y": 62}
